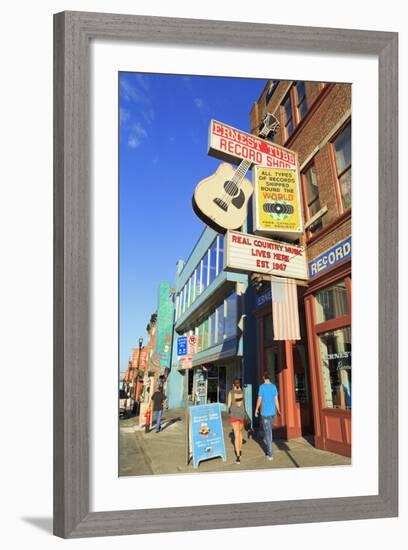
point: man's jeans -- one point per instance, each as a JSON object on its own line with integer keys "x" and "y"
{"x": 267, "y": 428}
{"x": 158, "y": 416}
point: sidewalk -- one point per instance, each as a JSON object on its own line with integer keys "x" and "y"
{"x": 165, "y": 453}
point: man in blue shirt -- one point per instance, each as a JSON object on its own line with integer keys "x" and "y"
{"x": 268, "y": 402}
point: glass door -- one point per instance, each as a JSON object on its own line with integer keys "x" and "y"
{"x": 200, "y": 384}
{"x": 212, "y": 385}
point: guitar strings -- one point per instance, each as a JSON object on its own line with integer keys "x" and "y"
{"x": 226, "y": 197}
{"x": 235, "y": 181}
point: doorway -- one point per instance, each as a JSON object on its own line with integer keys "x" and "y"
{"x": 216, "y": 384}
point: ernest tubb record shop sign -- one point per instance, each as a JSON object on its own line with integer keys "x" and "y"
{"x": 233, "y": 145}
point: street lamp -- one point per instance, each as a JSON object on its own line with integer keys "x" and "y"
{"x": 133, "y": 373}
{"x": 140, "y": 348}
{"x": 138, "y": 368}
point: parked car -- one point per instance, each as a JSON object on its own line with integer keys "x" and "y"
{"x": 125, "y": 404}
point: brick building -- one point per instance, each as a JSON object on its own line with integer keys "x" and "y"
{"x": 314, "y": 374}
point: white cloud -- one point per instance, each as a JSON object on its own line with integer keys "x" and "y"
{"x": 133, "y": 142}
{"x": 142, "y": 81}
{"x": 148, "y": 115}
{"x": 199, "y": 102}
{"x": 124, "y": 115}
{"x": 136, "y": 136}
{"x": 128, "y": 91}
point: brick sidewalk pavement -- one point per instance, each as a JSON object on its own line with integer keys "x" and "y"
{"x": 165, "y": 453}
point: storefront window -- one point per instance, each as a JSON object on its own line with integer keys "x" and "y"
{"x": 199, "y": 333}
{"x": 181, "y": 303}
{"x": 188, "y": 293}
{"x": 213, "y": 330}
{"x": 230, "y": 328}
{"x": 331, "y": 302}
{"x": 220, "y": 253}
{"x": 220, "y": 323}
{"x": 193, "y": 288}
{"x": 198, "y": 280}
{"x": 204, "y": 272}
{"x": 204, "y": 336}
{"x": 300, "y": 372}
{"x": 184, "y": 298}
{"x": 213, "y": 261}
{"x": 335, "y": 355}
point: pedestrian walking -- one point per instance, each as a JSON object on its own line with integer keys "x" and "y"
{"x": 236, "y": 406}
{"x": 268, "y": 404}
{"x": 158, "y": 398}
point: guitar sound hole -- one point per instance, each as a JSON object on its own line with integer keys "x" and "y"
{"x": 231, "y": 188}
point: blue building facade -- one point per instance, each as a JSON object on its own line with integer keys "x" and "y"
{"x": 211, "y": 304}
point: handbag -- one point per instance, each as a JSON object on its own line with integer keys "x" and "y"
{"x": 247, "y": 422}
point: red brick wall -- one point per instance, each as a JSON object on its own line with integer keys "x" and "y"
{"x": 340, "y": 233}
{"x": 327, "y": 107}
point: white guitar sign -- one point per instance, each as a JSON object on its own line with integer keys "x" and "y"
{"x": 221, "y": 200}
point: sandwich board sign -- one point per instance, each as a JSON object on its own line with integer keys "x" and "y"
{"x": 206, "y": 433}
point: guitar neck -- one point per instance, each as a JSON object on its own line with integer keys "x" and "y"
{"x": 245, "y": 165}
{"x": 240, "y": 172}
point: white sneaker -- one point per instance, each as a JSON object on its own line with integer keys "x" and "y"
{"x": 269, "y": 457}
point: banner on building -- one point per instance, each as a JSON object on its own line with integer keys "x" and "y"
{"x": 233, "y": 145}
{"x": 285, "y": 310}
{"x": 164, "y": 326}
{"x": 276, "y": 202}
{"x": 246, "y": 253}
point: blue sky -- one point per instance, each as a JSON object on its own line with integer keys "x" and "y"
{"x": 164, "y": 123}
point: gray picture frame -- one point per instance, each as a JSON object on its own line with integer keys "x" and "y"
{"x": 73, "y": 32}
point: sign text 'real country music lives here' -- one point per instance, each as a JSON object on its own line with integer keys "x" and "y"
{"x": 233, "y": 145}
{"x": 247, "y": 253}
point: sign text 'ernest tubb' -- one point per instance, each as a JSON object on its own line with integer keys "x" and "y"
{"x": 233, "y": 145}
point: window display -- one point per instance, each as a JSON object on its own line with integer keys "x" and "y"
{"x": 300, "y": 373}
{"x": 335, "y": 356}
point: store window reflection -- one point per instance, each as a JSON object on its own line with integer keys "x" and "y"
{"x": 335, "y": 354}
{"x": 213, "y": 261}
{"x": 220, "y": 263}
{"x": 230, "y": 328}
{"x": 331, "y": 302}
{"x": 300, "y": 368}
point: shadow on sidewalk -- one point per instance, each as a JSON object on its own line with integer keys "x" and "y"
{"x": 280, "y": 443}
{"x": 171, "y": 422}
{"x": 167, "y": 424}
